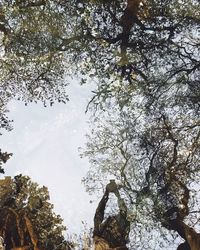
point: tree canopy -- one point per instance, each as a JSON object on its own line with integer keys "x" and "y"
{"x": 144, "y": 57}
{"x": 149, "y": 45}
{"x": 146, "y": 128}
{"x": 27, "y": 216}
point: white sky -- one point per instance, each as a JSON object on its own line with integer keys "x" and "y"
{"x": 45, "y": 144}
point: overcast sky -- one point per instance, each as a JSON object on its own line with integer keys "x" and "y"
{"x": 44, "y": 143}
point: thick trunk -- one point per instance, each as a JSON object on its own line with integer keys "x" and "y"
{"x": 128, "y": 20}
{"x": 191, "y": 237}
{"x": 31, "y": 232}
{"x": 15, "y": 227}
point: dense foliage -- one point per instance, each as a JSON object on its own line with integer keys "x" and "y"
{"x": 151, "y": 50}
{"x": 24, "y": 199}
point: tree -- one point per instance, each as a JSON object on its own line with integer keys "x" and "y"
{"x": 151, "y": 142}
{"x": 27, "y": 216}
{"x": 155, "y": 156}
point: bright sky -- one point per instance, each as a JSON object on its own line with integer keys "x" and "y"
{"x": 45, "y": 144}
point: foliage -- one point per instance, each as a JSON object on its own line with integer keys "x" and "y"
{"x": 146, "y": 130}
{"x": 155, "y": 159}
{"x": 4, "y": 156}
{"x": 91, "y": 37}
{"x": 27, "y": 198}
{"x": 157, "y": 53}
{"x": 30, "y": 68}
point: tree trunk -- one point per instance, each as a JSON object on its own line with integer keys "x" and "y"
{"x": 191, "y": 237}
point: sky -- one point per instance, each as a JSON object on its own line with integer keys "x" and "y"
{"x": 44, "y": 143}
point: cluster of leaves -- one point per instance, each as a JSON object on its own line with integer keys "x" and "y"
{"x": 4, "y": 156}
{"x": 31, "y": 68}
{"x": 27, "y": 198}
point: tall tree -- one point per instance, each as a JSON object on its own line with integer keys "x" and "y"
{"x": 156, "y": 159}
{"x": 151, "y": 143}
{"x": 27, "y": 216}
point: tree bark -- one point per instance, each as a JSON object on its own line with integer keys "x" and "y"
{"x": 191, "y": 237}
